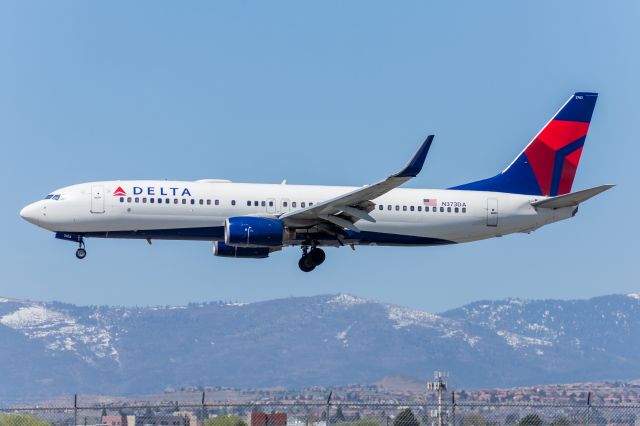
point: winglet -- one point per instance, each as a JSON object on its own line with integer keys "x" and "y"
{"x": 414, "y": 165}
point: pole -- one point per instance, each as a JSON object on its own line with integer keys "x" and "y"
{"x": 329, "y": 408}
{"x": 588, "y": 408}
{"x": 453, "y": 408}
{"x": 75, "y": 409}
{"x": 202, "y": 408}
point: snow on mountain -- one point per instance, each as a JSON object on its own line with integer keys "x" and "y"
{"x": 320, "y": 340}
{"x": 59, "y": 331}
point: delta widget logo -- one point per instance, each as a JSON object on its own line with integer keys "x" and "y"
{"x": 119, "y": 192}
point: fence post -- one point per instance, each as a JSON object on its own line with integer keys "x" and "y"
{"x": 75, "y": 409}
{"x": 329, "y": 409}
{"x": 202, "y": 408}
{"x": 588, "y": 408}
{"x": 453, "y": 408}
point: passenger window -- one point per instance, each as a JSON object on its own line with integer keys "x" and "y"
{"x": 397, "y": 208}
{"x": 248, "y": 203}
{"x": 167, "y": 201}
{"x": 448, "y": 209}
{"x": 380, "y": 207}
{"x": 426, "y": 209}
{"x": 441, "y": 209}
{"x": 270, "y": 203}
{"x": 411, "y": 208}
{"x": 294, "y": 204}
{"x": 233, "y": 202}
{"x": 193, "y": 201}
{"x": 208, "y": 202}
{"x": 137, "y": 199}
{"x": 302, "y": 204}
{"x": 263, "y": 203}
{"x": 201, "y": 201}
{"x": 122, "y": 199}
{"x": 152, "y": 200}
{"x": 285, "y": 204}
{"x": 310, "y": 204}
{"x": 404, "y": 208}
{"x": 464, "y": 210}
{"x": 184, "y": 201}
{"x": 456, "y": 210}
{"x": 217, "y": 202}
{"x": 255, "y": 204}
{"x": 389, "y": 207}
{"x": 175, "y": 201}
{"x": 144, "y": 200}
{"x": 128, "y": 199}
{"x": 419, "y": 208}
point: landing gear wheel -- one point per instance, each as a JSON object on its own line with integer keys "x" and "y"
{"x": 81, "y": 253}
{"x": 305, "y": 264}
{"x": 317, "y": 256}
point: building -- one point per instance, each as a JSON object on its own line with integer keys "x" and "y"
{"x": 160, "y": 420}
{"x": 114, "y": 420}
{"x": 264, "y": 419}
{"x": 192, "y": 420}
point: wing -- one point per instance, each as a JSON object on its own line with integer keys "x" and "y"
{"x": 345, "y": 210}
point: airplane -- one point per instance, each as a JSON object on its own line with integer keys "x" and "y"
{"x": 249, "y": 220}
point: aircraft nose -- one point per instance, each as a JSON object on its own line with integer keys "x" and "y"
{"x": 31, "y": 213}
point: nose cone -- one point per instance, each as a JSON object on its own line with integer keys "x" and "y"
{"x": 31, "y": 213}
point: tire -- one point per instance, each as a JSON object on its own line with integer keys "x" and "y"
{"x": 305, "y": 265}
{"x": 317, "y": 256}
{"x": 81, "y": 253}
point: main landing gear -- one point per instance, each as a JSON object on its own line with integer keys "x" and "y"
{"x": 81, "y": 253}
{"x": 311, "y": 258}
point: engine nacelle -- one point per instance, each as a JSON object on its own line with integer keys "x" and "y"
{"x": 222, "y": 250}
{"x": 248, "y": 231}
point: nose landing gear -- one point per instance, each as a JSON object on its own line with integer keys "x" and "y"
{"x": 81, "y": 253}
{"x": 311, "y": 258}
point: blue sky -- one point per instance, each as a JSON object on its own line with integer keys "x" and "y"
{"x": 317, "y": 93}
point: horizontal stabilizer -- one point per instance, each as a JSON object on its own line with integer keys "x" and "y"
{"x": 572, "y": 199}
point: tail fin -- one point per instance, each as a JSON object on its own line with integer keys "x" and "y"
{"x": 549, "y": 163}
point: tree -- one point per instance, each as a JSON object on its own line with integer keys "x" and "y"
{"x": 21, "y": 420}
{"x": 225, "y": 421}
{"x": 406, "y": 418}
{"x": 560, "y": 421}
{"x": 530, "y": 420}
{"x": 474, "y": 420}
{"x": 511, "y": 419}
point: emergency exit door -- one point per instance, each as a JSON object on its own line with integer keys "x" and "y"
{"x": 492, "y": 212}
{"x": 97, "y": 199}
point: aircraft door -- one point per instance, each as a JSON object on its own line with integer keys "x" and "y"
{"x": 492, "y": 212}
{"x": 97, "y": 199}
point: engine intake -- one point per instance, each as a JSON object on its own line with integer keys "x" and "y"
{"x": 247, "y": 231}
{"x": 222, "y": 250}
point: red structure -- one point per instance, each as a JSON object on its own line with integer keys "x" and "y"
{"x": 264, "y": 419}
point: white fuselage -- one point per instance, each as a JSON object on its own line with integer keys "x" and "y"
{"x": 198, "y": 210}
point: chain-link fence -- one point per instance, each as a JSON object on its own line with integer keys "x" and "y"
{"x": 320, "y": 414}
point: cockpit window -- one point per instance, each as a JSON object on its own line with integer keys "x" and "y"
{"x": 56, "y": 197}
{"x": 48, "y": 197}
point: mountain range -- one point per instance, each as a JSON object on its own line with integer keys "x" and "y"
{"x": 53, "y": 348}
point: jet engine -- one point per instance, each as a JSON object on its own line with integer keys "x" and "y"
{"x": 248, "y": 231}
{"x": 222, "y": 250}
